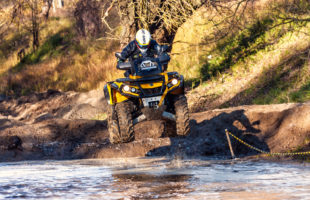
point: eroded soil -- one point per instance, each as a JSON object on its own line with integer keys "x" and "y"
{"x": 56, "y": 125}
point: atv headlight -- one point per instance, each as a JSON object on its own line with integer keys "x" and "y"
{"x": 126, "y": 88}
{"x": 174, "y": 81}
{"x": 133, "y": 90}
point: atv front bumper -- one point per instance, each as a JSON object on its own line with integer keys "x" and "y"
{"x": 151, "y": 90}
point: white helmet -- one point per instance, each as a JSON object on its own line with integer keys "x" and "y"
{"x": 143, "y": 38}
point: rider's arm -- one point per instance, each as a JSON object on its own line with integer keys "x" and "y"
{"x": 159, "y": 49}
{"x": 156, "y": 47}
{"x": 128, "y": 50}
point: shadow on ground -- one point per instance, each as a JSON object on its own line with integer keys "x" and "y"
{"x": 208, "y": 137}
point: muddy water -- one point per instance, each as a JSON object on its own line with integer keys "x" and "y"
{"x": 159, "y": 178}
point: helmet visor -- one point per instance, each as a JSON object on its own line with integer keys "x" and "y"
{"x": 144, "y": 47}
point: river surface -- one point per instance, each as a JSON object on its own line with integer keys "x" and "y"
{"x": 154, "y": 178}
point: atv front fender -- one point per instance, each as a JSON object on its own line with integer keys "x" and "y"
{"x": 112, "y": 95}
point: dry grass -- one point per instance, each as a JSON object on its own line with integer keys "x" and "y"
{"x": 71, "y": 63}
{"x": 62, "y": 62}
{"x": 79, "y": 72}
{"x": 236, "y": 84}
{"x": 188, "y": 45}
{"x": 247, "y": 75}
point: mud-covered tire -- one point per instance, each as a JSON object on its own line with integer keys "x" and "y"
{"x": 182, "y": 115}
{"x": 125, "y": 131}
{"x": 113, "y": 127}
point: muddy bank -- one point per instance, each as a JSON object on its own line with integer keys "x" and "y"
{"x": 57, "y": 125}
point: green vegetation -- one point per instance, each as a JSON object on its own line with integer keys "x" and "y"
{"x": 236, "y": 48}
{"x": 302, "y": 95}
{"x": 49, "y": 50}
{"x": 260, "y": 57}
{"x": 267, "y": 61}
{"x": 288, "y": 84}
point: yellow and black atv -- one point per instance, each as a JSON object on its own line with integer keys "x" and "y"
{"x": 148, "y": 93}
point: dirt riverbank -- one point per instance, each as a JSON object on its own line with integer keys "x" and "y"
{"x": 56, "y": 125}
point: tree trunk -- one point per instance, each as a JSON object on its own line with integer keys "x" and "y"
{"x": 128, "y": 21}
{"x": 35, "y": 26}
{"x": 88, "y": 18}
{"x": 60, "y": 4}
{"x": 54, "y": 6}
{"x": 49, "y": 4}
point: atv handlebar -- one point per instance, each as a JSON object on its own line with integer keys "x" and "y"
{"x": 163, "y": 59}
{"x": 124, "y": 65}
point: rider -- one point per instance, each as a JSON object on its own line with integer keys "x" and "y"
{"x": 142, "y": 46}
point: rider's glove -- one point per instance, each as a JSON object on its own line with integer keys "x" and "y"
{"x": 119, "y": 60}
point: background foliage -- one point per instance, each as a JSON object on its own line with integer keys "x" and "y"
{"x": 253, "y": 51}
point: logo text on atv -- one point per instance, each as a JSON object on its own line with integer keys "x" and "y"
{"x": 148, "y": 65}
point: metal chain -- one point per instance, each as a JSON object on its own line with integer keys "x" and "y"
{"x": 265, "y": 152}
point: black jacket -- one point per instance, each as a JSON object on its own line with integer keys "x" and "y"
{"x": 132, "y": 52}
